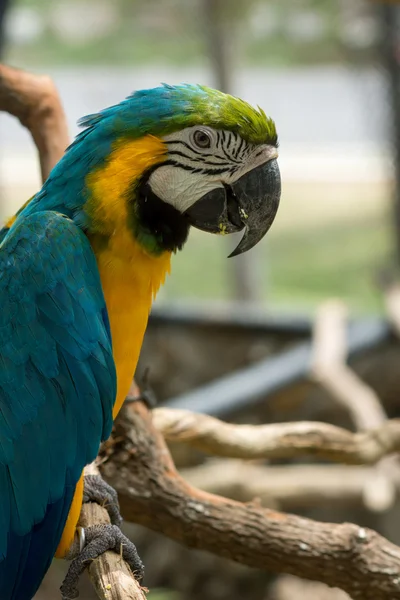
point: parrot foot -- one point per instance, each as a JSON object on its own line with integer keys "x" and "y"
{"x": 99, "y": 539}
{"x": 147, "y": 397}
{"x": 97, "y": 490}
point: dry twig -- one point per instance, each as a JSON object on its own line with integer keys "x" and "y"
{"x": 287, "y": 487}
{"x": 331, "y": 371}
{"x": 281, "y": 440}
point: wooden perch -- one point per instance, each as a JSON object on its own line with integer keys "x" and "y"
{"x": 152, "y": 493}
{"x": 282, "y": 440}
{"x": 110, "y": 575}
{"x": 34, "y": 100}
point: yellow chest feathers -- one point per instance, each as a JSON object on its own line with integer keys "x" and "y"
{"x": 129, "y": 288}
{"x": 130, "y": 276}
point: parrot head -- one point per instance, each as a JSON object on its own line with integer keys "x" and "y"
{"x": 169, "y": 158}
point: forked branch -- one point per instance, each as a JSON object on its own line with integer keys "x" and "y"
{"x": 153, "y": 494}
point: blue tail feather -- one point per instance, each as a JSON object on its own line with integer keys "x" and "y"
{"x": 22, "y": 571}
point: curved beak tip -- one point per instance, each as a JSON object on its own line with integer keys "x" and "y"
{"x": 250, "y": 203}
{"x": 258, "y": 193}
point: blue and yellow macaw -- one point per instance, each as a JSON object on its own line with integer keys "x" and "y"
{"x": 80, "y": 265}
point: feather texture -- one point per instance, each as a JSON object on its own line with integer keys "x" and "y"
{"x": 57, "y": 373}
{"x": 57, "y": 389}
{"x": 153, "y": 112}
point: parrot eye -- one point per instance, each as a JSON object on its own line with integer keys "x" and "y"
{"x": 202, "y": 139}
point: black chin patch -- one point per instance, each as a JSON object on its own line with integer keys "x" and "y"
{"x": 167, "y": 225}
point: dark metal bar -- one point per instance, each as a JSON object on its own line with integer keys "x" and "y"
{"x": 252, "y": 385}
{"x": 233, "y": 315}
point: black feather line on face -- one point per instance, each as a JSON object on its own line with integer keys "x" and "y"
{"x": 221, "y": 163}
{"x": 149, "y": 214}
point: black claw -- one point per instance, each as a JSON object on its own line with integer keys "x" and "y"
{"x": 97, "y": 490}
{"x": 147, "y": 394}
{"x": 99, "y": 539}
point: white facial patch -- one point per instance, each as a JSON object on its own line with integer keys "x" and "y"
{"x": 201, "y": 159}
{"x": 179, "y": 187}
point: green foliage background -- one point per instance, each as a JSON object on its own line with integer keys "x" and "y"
{"x": 176, "y": 35}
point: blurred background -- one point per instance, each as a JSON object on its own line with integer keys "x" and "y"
{"x": 327, "y": 71}
{"x": 318, "y": 67}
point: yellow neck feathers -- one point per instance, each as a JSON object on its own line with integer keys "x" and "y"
{"x": 110, "y": 184}
{"x": 130, "y": 276}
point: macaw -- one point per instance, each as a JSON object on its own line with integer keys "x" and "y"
{"x": 80, "y": 265}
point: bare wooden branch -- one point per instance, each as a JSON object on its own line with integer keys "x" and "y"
{"x": 288, "y": 587}
{"x": 286, "y": 487}
{"x": 152, "y": 493}
{"x": 331, "y": 371}
{"x": 34, "y": 100}
{"x": 109, "y": 573}
{"x": 282, "y": 440}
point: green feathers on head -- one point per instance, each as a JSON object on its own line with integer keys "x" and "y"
{"x": 157, "y": 111}
{"x": 168, "y": 108}
{"x": 223, "y": 111}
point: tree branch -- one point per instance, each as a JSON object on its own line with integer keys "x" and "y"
{"x": 34, "y": 100}
{"x": 331, "y": 371}
{"x": 153, "y": 494}
{"x": 287, "y": 487}
{"x": 281, "y": 440}
{"x": 110, "y": 575}
{"x": 288, "y": 587}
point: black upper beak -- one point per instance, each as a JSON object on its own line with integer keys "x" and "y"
{"x": 258, "y": 193}
{"x": 251, "y": 203}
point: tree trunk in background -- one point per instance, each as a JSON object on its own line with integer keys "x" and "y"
{"x": 220, "y": 25}
{"x": 220, "y": 35}
{"x": 390, "y": 60}
{"x": 3, "y": 7}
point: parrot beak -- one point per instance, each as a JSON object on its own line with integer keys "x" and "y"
{"x": 251, "y": 203}
{"x": 258, "y": 193}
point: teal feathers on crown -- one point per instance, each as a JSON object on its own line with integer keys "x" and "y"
{"x": 165, "y": 109}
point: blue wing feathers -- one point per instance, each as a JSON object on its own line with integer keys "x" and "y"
{"x": 57, "y": 388}
{"x": 57, "y": 306}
